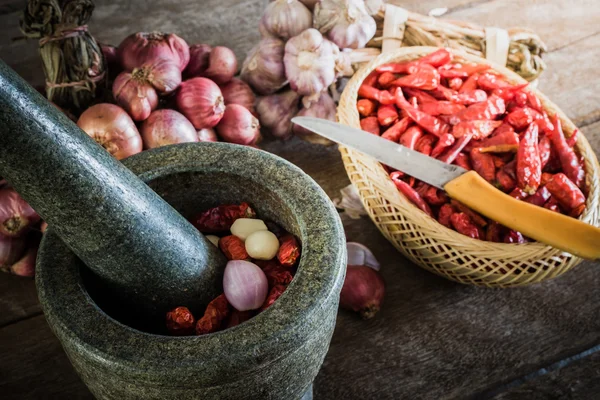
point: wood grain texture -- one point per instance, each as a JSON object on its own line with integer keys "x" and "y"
{"x": 18, "y": 299}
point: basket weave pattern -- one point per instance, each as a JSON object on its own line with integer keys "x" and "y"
{"x": 433, "y": 246}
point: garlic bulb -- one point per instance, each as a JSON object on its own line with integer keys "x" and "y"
{"x": 345, "y": 22}
{"x": 263, "y": 69}
{"x": 285, "y": 19}
{"x": 276, "y": 112}
{"x": 324, "y": 108}
{"x": 310, "y": 62}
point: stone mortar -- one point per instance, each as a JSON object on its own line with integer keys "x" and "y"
{"x": 275, "y": 355}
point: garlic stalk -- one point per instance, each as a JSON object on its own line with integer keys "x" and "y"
{"x": 310, "y": 63}
{"x": 345, "y": 22}
{"x": 263, "y": 69}
{"x": 285, "y": 19}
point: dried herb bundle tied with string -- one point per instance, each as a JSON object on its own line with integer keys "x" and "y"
{"x": 73, "y": 62}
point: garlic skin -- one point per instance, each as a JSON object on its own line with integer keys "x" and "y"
{"x": 285, "y": 19}
{"x": 263, "y": 68}
{"x": 276, "y": 112}
{"x": 374, "y": 7}
{"x": 345, "y": 22}
{"x": 310, "y": 4}
{"x": 324, "y": 108}
{"x": 310, "y": 62}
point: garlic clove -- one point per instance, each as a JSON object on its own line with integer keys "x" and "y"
{"x": 285, "y": 19}
{"x": 262, "y": 245}
{"x": 244, "y": 227}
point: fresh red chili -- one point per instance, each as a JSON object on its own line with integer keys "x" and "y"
{"x": 529, "y": 165}
{"x": 387, "y": 115}
{"x": 371, "y": 125}
{"x": 483, "y": 164}
{"x": 445, "y": 142}
{"x": 426, "y": 77}
{"x": 568, "y": 195}
{"x": 395, "y": 131}
{"x": 413, "y": 196}
{"x": 410, "y": 137}
{"x": 568, "y": 159}
{"x": 476, "y": 129}
{"x": 463, "y": 224}
{"x": 366, "y": 107}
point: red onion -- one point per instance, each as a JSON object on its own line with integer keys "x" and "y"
{"x": 324, "y": 108}
{"x": 276, "y": 112}
{"x": 363, "y": 291}
{"x": 222, "y": 65}
{"x": 199, "y": 60}
{"x": 135, "y": 94}
{"x": 142, "y": 47}
{"x": 165, "y": 127}
{"x": 201, "y": 101}
{"x": 11, "y": 250}
{"x": 245, "y": 285}
{"x": 26, "y": 264}
{"x": 359, "y": 254}
{"x": 112, "y": 128}
{"x": 207, "y": 135}
{"x": 238, "y": 125}
{"x": 238, "y": 92}
{"x": 16, "y": 216}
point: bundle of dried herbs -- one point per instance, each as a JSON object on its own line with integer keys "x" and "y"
{"x": 73, "y": 63}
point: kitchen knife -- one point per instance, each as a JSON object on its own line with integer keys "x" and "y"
{"x": 549, "y": 227}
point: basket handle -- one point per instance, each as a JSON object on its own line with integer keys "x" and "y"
{"x": 549, "y": 227}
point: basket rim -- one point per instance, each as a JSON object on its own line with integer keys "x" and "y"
{"x": 348, "y": 101}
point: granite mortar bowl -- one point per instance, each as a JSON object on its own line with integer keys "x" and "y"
{"x": 275, "y": 355}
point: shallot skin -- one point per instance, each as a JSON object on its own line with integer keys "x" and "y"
{"x": 16, "y": 216}
{"x": 142, "y": 47}
{"x": 201, "y": 101}
{"x": 135, "y": 95}
{"x": 238, "y": 126}
{"x": 165, "y": 127}
{"x": 199, "y": 60}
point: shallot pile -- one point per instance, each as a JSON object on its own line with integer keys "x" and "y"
{"x": 262, "y": 263}
{"x": 306, "y": 47}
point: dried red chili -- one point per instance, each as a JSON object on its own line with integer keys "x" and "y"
{"x": 380, "y": 96}
{"x": 274, "y": 294}
{"x": 546, "y": 178}
{"x": 566, "y": 155}
{"x": 435, "y": 196}
{"x": 463, "y": 224}
{"x": 514, "y": 237}
{"x": 278, "y": 275}
{"x": 430, "y": 123}
{"x": 420, "y": 95}
{"x": 494, "y": 232}
{"x": 470, "y": 84}
{"x": 371, "y": 79}
{"x": 487, "y": 110}
{"x": 553, "y": 205}
{"x": 476, "y": 129}
{"x": 233, "y": 247}
{"x": 238, "y": 317}
{"x": 366, "y": 107}
{"x": 534, "y": 101}
{"x": 371, "y": 125}
{"x": 568, "y": 195}
{"x": 441, "y": 107}
{"x": 220, "y": 219}
{"x": 504, "y": 181}
{"x": 490, "y": 81}
{"x": 411, "y": 137}
{"x": 216, "y": 312}
{"x": 387, "y": 115}
{"x": 572, "y": 140}
{"x": 509, "y": 93}
{"x": 518, "y": 194}
{"x": 180, "y": 322}
{"x": 529, "y": 165}
{"x": 462, "y": 160}
{"x": 413, "y": 196}
{"x": 504, "y": 140}
{"x": 395, "y": 131}
{"x": 425, "y": 77}
{"x": 455, "y": 83}
{"x": 289, "y": 250}
{"x": 409, "y": 67}
{"x": 445, "y": 215}
{"x": 545, "y": 149}
{"x": 459, "y": 70}
{"x": 437, "y": 58}
{"x": 522, "y": 117}
{"x": 425, "y": 144}
{"x": 540, "y": 197}
{"x": 450, "y": 155}
{"x": 483, "y": 164}
{"x": 385, "y": 79}
{"x": 445, "y": 142}
{"x": 475, "y": 217}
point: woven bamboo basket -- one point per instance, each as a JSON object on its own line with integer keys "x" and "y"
{"x": 433, "y": 246}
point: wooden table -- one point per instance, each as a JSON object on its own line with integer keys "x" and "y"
{"x": 434, "y": 339}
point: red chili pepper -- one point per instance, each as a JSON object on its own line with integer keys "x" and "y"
{"x": 473, "y": 216}
{"x": 216, "y": 312}
{"x": 463, "y": 224}
{"x": 366, "y": 107}
{"x": 420, "y": 95}
{"x": 381, "y": 96}
{"x": 277, "y": 275}
{"x": 289, "y": 250}
{"x": 425, "y": 144}
{"x": 220, "y": 219}
{"x": 449, "y": 156}
{"x": 180, "y": 322}
{"x": 470, "y": 97}
{"x": 504, "y": 181}
{"x": 371, "y": 79}
{"x": 489, "y": 81}
{"x": 520, "y": 99}
{"x": 426, "y": 77}
{"x": 371, "y": 125}
{"x": 445, "y": 141}
{"x": 568, "y": 195}
{"x": 511, "y": 169}
{"x": 437, "y": 58}
{"x": 441, "y": 107}
{"x": 435, "y": 197}
{"x": 483, "y": 164}
{"x": 429, "y": 123}
{"x": 459, "y": 70}
{"x": 518, "y": 194}
{"x": 540, "y": 197}
{"x": 545, "y": 149}
{"x": 534, "y": 101}
{"x": 546, "y": 178}
{"x": 529, "y": 164}
{"x": 521, "y": 118}
{"x": 410, "y": 137}
{"x": 514, "y": 237}
{"x": 455, "y": 83}
{"x": 553, "y": 205}
{"x": 470, "y": 84}
{"x": 568, "y": 159}
{"x": 489, "y": 109}
{"x": 445, "y": 215}
{"x": 504, "y": 140}
{"x": 387, "y": 115}
{"x": 494, "y": 232}
{"x": 238, "y": 317}
{"x": 462, "y": 160}
{"x": 385, "y": 79}
{"x": 274, "y": 294}
{"x": 233, "y": 247}
{"x": 509, "y": 93}
{"x": 572, "y": 140}
{"x": 413, "y": 196}
{"x": 408, "y": 67}
{"x": 396, "y": 130}
{"x": 477, "y": 129}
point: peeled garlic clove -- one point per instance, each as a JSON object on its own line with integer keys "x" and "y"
{"x": 285, "y": 19}
{"x": 276, "y": 112}
{"x": 345, "y": 22}
{"x": 244, "y": 227}
{"x": 213, "y": 239}
{"x": 262, "y": 245}
{"x": 324, "y": 108}
{"x": 263, "y": 68}
{"x": 310, "y": 62}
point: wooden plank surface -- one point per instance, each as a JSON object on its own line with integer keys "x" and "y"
{"x": 18, "y": 299}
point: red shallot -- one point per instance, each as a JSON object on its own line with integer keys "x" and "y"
{"x": 222, "y": 65}
{"x": 201, "y": 101}
{"x": 135, "y": 94}
{"x": 238, "y": 92}
{"x": 207, "y": 135}
{"x": 199, "y": 60}
{"x": 165, "y": 127}
{"x": 143, "y": 47}
{"x": 11, "y": 250}
{"x": 25, "y": 266}
{"x": 238, "y": 125}
{"x": 245, "y": 285}
{"x": 16, "y": 216}
{"x": 112, "y": 128}
{"x": 363, "y": 291}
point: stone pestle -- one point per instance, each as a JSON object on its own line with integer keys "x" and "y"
{"x": 129, "y": 237}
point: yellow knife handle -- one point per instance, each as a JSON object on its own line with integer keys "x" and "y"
{"x": 549, "y": 227}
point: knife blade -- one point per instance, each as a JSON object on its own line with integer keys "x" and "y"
{"x": 468, "y": 187}
{"x": 425, "y": 168}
